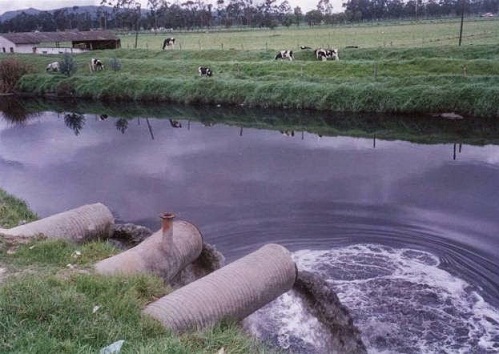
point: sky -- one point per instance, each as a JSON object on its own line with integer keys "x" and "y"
{"x": 9, "y": 5}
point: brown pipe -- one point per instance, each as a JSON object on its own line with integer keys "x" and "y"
{"x": 81, "y": 224}
{"x": 164, "y": 253}
{"x": 231, "y": 292}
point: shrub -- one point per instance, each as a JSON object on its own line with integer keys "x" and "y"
{"x": 11, "y": 70}
{"x": 68, "y": 65}
{"x": 115, "y": 64}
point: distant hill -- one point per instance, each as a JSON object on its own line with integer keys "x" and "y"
{"x": 11, "y": 14}
{"x": 92, "y": 10}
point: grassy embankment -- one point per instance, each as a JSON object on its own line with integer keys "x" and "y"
{"x": 48, "y": 307}
{"x": 410, "y": 68}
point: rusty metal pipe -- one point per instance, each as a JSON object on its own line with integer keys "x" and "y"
{"x": 81, "y": 224}
{"x": 164, "y": 253}
{"x": 231, "y": 292}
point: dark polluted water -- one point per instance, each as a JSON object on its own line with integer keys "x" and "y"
{"x": 406, "y": 234}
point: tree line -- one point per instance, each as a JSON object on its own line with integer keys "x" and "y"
{"x": 196, "y": 14}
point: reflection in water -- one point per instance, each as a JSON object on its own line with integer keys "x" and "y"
{"x": 427, "y": 129}
{"x": 460, "y": 149}
{"x": 74, "y": 121}
{"x": 150, "y": 128}
{"x": 288, "y": 132}
{"x": 14, "y": 110}
{"x": 175, "y": 123}
{"x": 122, "y": 125}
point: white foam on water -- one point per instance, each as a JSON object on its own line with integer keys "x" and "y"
{"x": 285, "y": 322}
{"x": 402, "y": 301}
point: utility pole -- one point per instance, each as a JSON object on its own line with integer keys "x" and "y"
{"x": 137, "y": 24}
{"x": 462, "y": 20}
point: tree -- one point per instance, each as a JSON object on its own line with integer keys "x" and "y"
{"x": 287, "y": 20}
{"x": 325, "y": 7}
{"x": 298, "y": 15}
{"x": 313, "y": 17}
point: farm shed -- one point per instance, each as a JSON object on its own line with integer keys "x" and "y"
{"x": 57, "y": 42}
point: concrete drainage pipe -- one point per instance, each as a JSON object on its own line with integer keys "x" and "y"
{"x": 231, "y": 292}
{"x": 81, "y": 224}
{"x": 164, "y": 253}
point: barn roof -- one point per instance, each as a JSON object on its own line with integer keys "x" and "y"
{"x": 66, "y": 36}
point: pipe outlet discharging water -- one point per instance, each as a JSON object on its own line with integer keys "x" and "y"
{"x": 231, "y": 292}
{"x": 164, "y": 253}
{"x": 81, "y": 224}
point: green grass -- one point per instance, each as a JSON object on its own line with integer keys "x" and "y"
{"x": 388, "y": 34}
{"x": 13, "y": 211}
{"x": 51, "y": 302}
{"x": 393, "y": 79}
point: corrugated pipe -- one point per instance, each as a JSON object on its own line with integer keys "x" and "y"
{"x": 164, "y": 253}
{"x": 231, "y": 292}
{"x": 86, "y": 222}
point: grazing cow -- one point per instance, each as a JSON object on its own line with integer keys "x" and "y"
{"x": 169, "y": 42}
{"x": 204, "y": 71}
{"x": 96, "y": 65}
{"x": 54, "y": 67}
{"x": 325, "y": 54}
{"x": 284, "y": 54}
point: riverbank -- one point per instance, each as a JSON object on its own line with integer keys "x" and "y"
{"x": 464, "y": 80}
{"x": 51, "y": 303}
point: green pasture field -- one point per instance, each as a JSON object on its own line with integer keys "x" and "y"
{"x": 405, "y": 77}
{"x": 427, "y": 33}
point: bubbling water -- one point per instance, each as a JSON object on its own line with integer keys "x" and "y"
{"x": 400, "y": 299}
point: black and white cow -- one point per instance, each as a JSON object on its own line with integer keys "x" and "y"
{"x": 96, "y": 64}
{"x": 284, "y": 54}
{"x": 325, "y": 54}
{"x": 169, "y": 42}
{"x": 204, "y": 71}
{"x": 54, "y": 67}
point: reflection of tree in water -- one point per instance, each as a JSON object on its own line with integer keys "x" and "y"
{"x": 14, "y": 111}
{"x": 122, "y": 125}
{"x": 74, "y": 121}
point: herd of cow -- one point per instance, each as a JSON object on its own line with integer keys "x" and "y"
{"x": 95, "y": 65}
{"x": 320, "y": 54}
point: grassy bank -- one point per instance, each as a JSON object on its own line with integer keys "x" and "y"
{"x": 47, "y": 306}
{"x": 397, "y": 67}
{"x": 451, "y": 79}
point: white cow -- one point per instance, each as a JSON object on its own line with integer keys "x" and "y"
{"x": 54, "y": 67}
{"x": 96, "y": 65}
{"x": 169, "y": 42}
{"x": 284, "y": 54}
{"x": 204, "y": 71}
{"x": 325, "y": 54}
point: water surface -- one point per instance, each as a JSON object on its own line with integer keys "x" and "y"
{"x": 407, "y": 233}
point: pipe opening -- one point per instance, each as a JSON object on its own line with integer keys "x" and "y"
{"x": 166, "y": 221}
